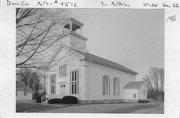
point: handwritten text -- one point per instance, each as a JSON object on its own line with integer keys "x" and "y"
{"x": 114, "y": 4}
{"x": 171, "y": 18}
{"x": 43, "y": 3}
{"x": 22, "y": 3}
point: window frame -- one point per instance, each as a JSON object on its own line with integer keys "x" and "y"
{"x": 74, "y": 82}
{"x": 63, "y": 70}
{"x": 106, "y": 85}
{"x": 116, "y": 86}
{"x": 53, "y": 83}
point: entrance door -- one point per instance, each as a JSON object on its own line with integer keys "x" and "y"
{"x": 62, "y": 89}
{"x": 141, "y": 94}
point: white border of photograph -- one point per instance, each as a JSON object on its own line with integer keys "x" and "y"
{"x": 172, "y": 59}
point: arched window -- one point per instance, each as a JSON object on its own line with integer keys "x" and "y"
{"x": 74, "y": 87}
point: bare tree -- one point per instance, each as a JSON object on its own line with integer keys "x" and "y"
{"x": 37, "y": 30}
{"x": 30, "y": 78}
{"x": 155, "y": 83}
{"x": 161, "y": 72}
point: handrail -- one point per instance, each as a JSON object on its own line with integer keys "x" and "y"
{"x": 44, "y": 98}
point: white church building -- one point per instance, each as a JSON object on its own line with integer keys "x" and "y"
{"x": 88, "y": 77}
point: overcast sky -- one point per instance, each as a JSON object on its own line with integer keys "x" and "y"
{"x": 133, "y": 38}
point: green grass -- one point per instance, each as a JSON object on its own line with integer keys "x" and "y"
{"x": 27, "y": 107}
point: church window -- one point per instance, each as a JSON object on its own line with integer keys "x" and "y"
{"x": 106, "y": 85}
{"x": 53, "y": 83}
{"x": 116, "y": 86}
{"x": 74, "y": 82}
{"x": 63, "y": 70}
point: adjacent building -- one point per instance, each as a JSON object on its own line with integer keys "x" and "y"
{"x": 23, "y": 92}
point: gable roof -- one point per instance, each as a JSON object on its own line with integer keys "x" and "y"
{"x": 101, "y": 61}
{"x": 98, "y": 60}
{"x": 134, "y": 85}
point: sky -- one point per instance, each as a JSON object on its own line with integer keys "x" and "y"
{"x": 131, "y": 37}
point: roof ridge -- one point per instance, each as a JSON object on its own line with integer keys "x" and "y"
{"x": 134, "y": 85}
{"x": 110, "y": 61}
{"x": 89, "y": 56}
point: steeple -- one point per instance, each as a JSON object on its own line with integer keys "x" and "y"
{"x": 73, "y": 25}
{"x": 72, "y": 30}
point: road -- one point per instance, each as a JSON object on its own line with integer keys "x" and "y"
{"x": 148, "y": 108}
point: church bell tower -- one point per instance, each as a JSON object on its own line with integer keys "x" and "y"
{"x": 72, "y": 32}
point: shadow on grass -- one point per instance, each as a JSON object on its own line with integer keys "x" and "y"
{"x": 26, "y": 107}
{"x": 134, "y": 108}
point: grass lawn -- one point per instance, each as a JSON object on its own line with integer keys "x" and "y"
{"x": 137, "y": 108}
{"x": 25, "y": 107}
{"x": 148, "y": 108}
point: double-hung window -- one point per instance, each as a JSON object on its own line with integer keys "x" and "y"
{"x": 106, "y": 85}
{"x": 116, "y": 86}
{"x": 63, "y": 70}
{"x": 74, "y": 88}
{"x": 53, "y": 83}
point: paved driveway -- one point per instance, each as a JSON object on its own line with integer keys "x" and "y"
{"x": 154, "y": 108}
